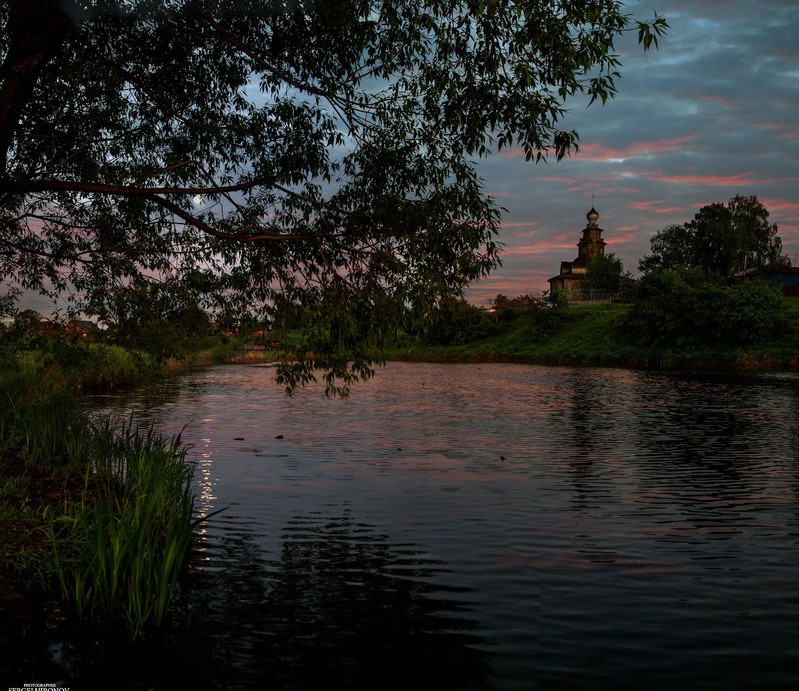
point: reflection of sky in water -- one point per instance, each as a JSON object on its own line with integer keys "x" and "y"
{"x": 593, "y": 525}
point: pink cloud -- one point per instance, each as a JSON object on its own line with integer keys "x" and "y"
{"x": 512, "y": 152}
{"x": 783, "y": 206}
{"x": 736, "y": 180}
{"x": 616, "y": 238}
{"x": 599, "y": 152}
{"x": 721, "y": 100}
{"x": 783, "y": 130}
{"x": 547, "y": 247}
{"x": 657, "y": 207}
{"x": 520, "y": 224}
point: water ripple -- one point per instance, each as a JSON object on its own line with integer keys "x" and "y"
{"x": 506, "y": 525}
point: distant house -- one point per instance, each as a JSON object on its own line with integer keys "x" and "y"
{"x": 573, "y": 273}
{"x": 82, "y": 329}
{"x": 263, "y": 336}
{"x": 49, "y": 328}
{"x": 786, "y": 278}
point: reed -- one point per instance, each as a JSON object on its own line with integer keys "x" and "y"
{"x": 119, "y": 547}
{"x": 109, "y": 515}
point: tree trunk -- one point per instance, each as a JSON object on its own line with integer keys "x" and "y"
{"x": 36, "y": 30}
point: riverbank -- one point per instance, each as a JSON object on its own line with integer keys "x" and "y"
{"x": 577, "y": 335}
{"x": 95, "y": 515}
{"x": 595, "y": 335}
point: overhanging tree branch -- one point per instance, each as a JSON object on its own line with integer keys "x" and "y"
{"x": 249, "y": 105}
{"x": 245, "y": 235}
{"x": 35, "y": 33}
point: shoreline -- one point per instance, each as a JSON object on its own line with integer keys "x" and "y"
{"x": 744, "y": 362}
{"x": 645, "y": 363}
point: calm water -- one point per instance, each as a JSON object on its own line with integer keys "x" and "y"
{"x": 487, "y": 526}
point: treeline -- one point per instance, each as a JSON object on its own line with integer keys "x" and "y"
{"x": 702, "y": 281}
{"x": 701, "y": 285}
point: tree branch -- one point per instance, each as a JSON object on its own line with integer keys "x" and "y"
{"x": 120, "y": 190}
{"x": 239, "y": 236}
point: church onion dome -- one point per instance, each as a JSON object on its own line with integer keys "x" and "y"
{"x": 592, "y": 216}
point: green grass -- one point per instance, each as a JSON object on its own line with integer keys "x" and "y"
{"x": 118, "y": 546}
{"x": 95, "y": 513}
{"x": 595, "y": 335}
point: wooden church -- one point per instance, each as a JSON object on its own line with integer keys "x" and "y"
{"x": 573, "y": 273}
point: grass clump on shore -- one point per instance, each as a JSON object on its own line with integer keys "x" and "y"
{"x": 94, "y": 514}
{"x": 118, "y": 545}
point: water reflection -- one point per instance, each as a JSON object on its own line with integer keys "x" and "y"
{"x": 515, "y": 526}
{"x": 341, "y": 608}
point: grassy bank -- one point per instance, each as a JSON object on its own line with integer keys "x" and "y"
{"x": 596, "y": 335}
{"x": 95, "y": 516}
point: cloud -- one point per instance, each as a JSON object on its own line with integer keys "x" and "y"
{"x": 658, "y": 207}
{"x": 711, "y": 114}
{"x": 733, "y": 180}
{"x": 787, "y": 209}
{"x": 644, "y": 149}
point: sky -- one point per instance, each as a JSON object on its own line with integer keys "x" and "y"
{"x": 714, "y": 112}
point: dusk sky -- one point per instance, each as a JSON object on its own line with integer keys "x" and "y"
{"x": 711, "y": 114}
{"x": 714, "y": 112}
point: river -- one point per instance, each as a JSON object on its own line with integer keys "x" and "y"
{"x": 492, "y": 526}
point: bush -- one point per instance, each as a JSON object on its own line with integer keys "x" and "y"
{"x": 456, "y": 322}
{"x": 117, "y": 508}
{"x": 506, "y": 315}
{"x": 756, "y": 311}
{"x": 682, "y": 307}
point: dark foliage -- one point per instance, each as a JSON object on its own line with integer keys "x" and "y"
{"x": 685, "y": 307}
{"x": 257, "y": 149}
{"x": 721, "y": 239}
{"x": 604, "y": 274}
{"x": 456, "y": 322}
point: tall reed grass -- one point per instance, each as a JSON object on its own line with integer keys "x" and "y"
{"x": 118, "y": 548}
{"x": 118, "y": 521}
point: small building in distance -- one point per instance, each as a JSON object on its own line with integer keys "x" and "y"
{"x": 82, "y": 329}
{"x": 572, "y": 273}
{"x": 786, "y": 278}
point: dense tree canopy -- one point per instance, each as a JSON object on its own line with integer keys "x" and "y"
{"x": 257, "y": 148}
{"x": 163, "y": 318}
{"x": 721, "y": 239}
{"x": 603, "y": 274}
{"x": 688, "y": 308}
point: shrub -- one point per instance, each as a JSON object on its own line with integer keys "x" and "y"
{"x": 456, "y": 322}
{"x": 681, "y": 307}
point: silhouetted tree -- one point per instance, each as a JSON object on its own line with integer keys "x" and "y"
{"x": 280, "y": 147}
{"x": 722, "y": 239}
{"x": 604, "y": 274}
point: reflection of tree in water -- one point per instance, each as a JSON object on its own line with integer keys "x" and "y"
{"x": 584, "y": 426}
{"x": 342, "y": 609}
{"x": 703, "y": 437}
